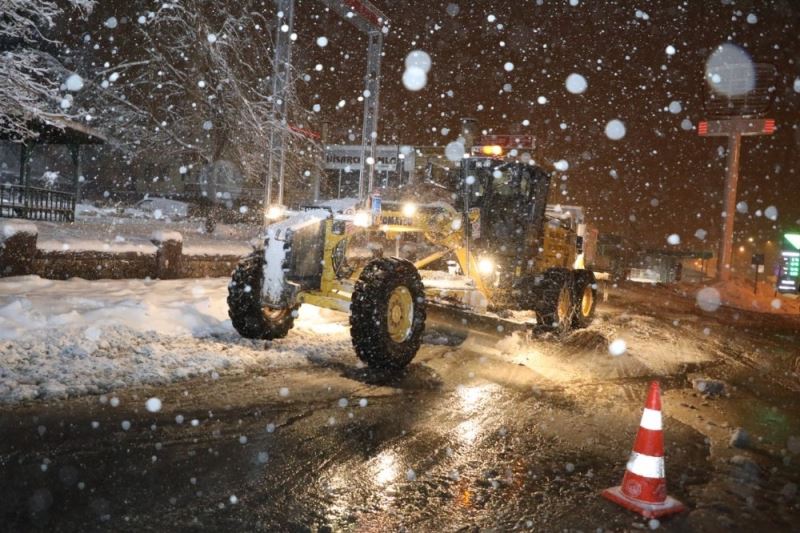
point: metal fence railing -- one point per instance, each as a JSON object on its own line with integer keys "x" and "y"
{"x": 33, "y": 203}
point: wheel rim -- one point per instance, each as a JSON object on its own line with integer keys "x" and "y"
{"x": 399, "y": 314}
{"x": 587, "y": 300}
{"x": 563, "y": 305}
{"x": 273, "y": 315}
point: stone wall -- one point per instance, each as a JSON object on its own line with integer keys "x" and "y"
{"x": 19, "y": 256}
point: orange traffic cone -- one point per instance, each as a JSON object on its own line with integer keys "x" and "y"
{"x": 644, "y": 487}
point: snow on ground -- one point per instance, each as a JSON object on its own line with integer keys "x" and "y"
{"x": 68, "y": 338}
{"x": 738, "y": 293}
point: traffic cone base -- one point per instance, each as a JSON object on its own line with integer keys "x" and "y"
{"x": 649, "y": 510}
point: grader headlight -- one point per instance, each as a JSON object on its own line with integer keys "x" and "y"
{"x": 485, "y": 266}
{"x": 362, "y": 219}
{"x": 409, "y": 209}
{"x": 274, "y": 212}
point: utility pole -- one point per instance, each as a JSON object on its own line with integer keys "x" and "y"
{"x": 734, "y": 129}
{"x": 369, "y": 20}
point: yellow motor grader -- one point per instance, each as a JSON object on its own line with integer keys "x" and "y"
{"x": 496, "y": 252}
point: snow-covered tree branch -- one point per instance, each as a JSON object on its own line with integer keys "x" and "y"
{"x": 198, "y": 81}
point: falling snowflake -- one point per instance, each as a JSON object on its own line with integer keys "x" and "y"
{"x": 576, "y": 84}
{"x": 414, "y": 79}
{"x": 454, "y": 151}
{"x": 615, "y": 129}
{"x": 153, "y": 405}
{"x": 771, "y": 212}
{"x": 617, "y": 347}
{"x": 74, "y": 83}
{"x": 708, "y": 299}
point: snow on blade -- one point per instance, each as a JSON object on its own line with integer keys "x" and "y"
{"x": 275, "y": 251}
{"x": 274, "y": 256}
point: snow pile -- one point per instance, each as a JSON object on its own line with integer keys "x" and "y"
{"x": 738, "y": 293}
{"x": 93, "y": 211}
{"x": 166, "y": 235}
{"x": 103, "y": 230}
{"x": 67, "y": 338}
{"x": 13, "y": 227}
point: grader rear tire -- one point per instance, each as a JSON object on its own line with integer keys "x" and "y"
{"x": 248, "y": 317}
{"x": 387, "y": 313}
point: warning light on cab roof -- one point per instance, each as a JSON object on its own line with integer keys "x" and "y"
{"x": 492, "y": 150}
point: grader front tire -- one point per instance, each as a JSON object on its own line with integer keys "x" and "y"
{"x": 387, "y": 314}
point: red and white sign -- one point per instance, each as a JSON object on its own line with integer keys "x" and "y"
{"x": 742, "y": 126}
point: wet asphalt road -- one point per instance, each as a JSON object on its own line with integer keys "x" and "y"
{"x": 479, "y": 435}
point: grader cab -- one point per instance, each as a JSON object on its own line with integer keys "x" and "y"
{"x": 497, "y": 251}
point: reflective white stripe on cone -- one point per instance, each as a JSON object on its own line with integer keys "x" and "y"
{"x": 646, "y": 465}
{"x": 651, "y": 419}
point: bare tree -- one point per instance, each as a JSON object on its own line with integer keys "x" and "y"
{"x": 32, "y": 79}
{"x": 198, "y": 79}
{"x": 27, "y": 88}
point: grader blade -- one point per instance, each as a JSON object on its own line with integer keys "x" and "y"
{"x": 462, "y": 322}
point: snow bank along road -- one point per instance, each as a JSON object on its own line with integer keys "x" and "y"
{"x": 67, "y": 338}
{"x": 487, "y": 433}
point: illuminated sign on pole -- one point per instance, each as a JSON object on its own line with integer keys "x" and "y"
{"x": 734, "y": 129}
{"x": 789, "y": 278}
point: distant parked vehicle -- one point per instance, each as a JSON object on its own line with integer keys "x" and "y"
{"x": 163, "y": 207}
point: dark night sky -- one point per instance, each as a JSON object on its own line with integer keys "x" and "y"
{"x": 669, "y": 179}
